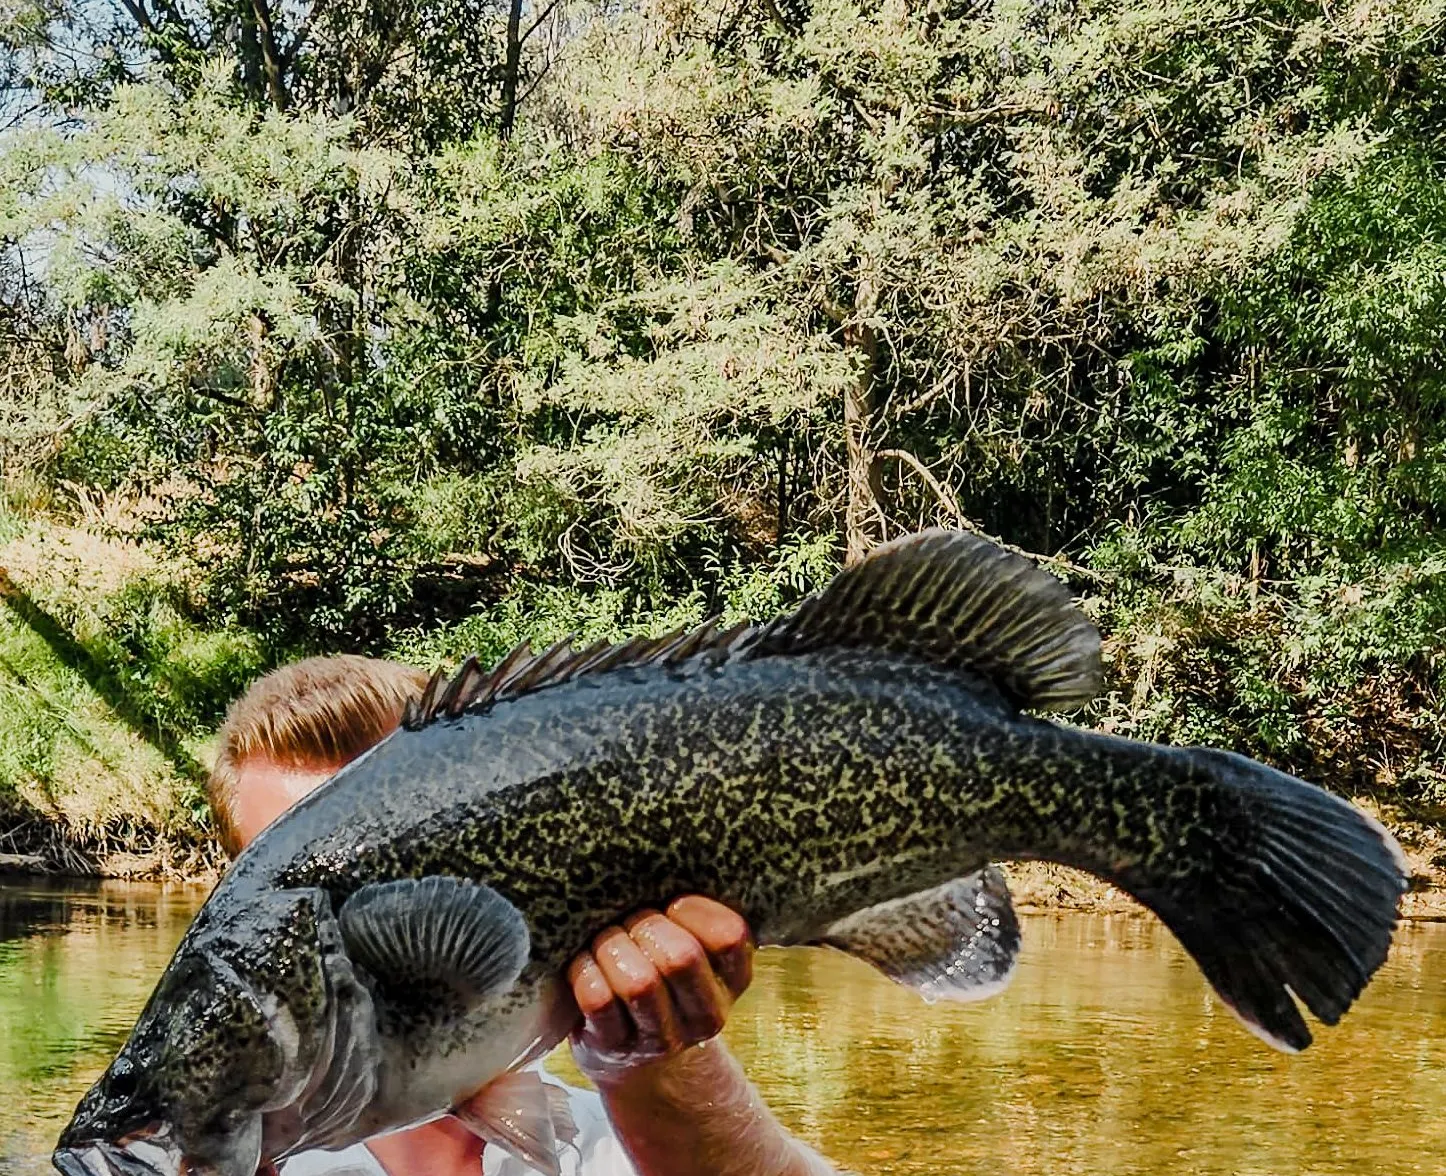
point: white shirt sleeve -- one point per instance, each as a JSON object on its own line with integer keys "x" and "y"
{"x": 595, "y": 1152}
{"x": 352, "y": 1161}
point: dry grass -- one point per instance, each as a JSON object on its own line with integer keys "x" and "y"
{"x": 88, "y": 565}
{"x": 1043, "y": 886}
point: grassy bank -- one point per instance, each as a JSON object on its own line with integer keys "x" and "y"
{"x": 111, "y": 690}
{"x": 108, "y": 696}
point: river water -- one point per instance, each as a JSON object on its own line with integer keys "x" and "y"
{"x": 1106, "y": 1056}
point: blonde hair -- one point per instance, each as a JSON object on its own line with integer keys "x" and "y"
{"x": 318, "y": 713}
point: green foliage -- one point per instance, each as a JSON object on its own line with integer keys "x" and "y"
{"x": 1153, "y": 284}
{"x": 1304, "y": 596}
{"x": 545, "y": 613}
{"x": 760, "y": 591}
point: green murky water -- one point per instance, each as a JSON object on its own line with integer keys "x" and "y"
{"x": 1105, "y": 1057}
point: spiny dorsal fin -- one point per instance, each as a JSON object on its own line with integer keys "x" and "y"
{"x": 525, "y": 672}
{"x": 947, "y": 597}
{"x": 959, "y": 602}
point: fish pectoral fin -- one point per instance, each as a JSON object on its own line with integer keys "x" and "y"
{"x": 959, "y": 941}
{"x": 524, "y": 1116}
{"x": 419, "y": 933}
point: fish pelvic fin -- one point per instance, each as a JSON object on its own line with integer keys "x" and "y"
{"x": 950, "y": 598}
{"x": 523, "y": 1115}
{"x": 1300, "y": 900}
{"x": 959, "y": 941}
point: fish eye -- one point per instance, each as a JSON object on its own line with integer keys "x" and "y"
{"x": 122, "y": 1082}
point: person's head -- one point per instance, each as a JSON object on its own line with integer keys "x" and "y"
{"x": 295, "y": 728}
{"x": 237, "y": 1027}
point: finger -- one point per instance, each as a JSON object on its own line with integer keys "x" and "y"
{"x": 638, "y": 985}
{"x": 724, "y": 935}
{"x": 605, "y": 1025}
{"x": 700, "y": 999}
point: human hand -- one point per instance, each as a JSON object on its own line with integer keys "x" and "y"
{"x": 658, "y": 984}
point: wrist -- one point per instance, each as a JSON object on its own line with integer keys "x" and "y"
{"x": 700, "y": 1104}
{"x": 701, "y": 1073}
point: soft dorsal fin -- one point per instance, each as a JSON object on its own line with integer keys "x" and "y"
{"x": 959, "y": 602}
{"x": 947, "y": 597}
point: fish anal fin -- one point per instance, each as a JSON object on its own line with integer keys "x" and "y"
{"x": 959, "y": 941}
{"x": 524, "y": 1116}
{"x": 421, "y": 934}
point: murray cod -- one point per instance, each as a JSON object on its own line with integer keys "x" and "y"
{"x": 391, "y": 948}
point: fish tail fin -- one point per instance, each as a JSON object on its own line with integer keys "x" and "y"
{"x": 1289, "y": 893}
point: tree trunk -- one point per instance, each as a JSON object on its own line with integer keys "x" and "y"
{"x": 511, "y": 68}
{"x": 271, "y": 60}
{"x": 863, "y": 516}
{"x": 784, "y": 452}
{"x": 248, "y": 53}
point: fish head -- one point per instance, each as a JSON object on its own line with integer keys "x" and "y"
{"x": 238, "y": 1029}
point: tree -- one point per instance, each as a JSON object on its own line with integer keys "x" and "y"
{"x": 633, "y": 304}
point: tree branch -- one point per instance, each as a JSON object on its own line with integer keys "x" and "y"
{"x": 776, "y": 15}
{"x": 140, "y": 16}
{"x": 951, "y": 504}
{"x": 537, "y": 81}
{"x": 541, "y": 16}
{"x": 221, "y": 397}
{"x": 174, "y": 24}
{"x": 302, "y": 32}
{"x": 941, "y": 492}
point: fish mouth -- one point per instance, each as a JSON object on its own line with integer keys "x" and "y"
{"x": 137, "y": 1156}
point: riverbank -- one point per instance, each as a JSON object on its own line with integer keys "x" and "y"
{"x": 1037, "y": 887}
{"x": 42, "y": 843}
{"x": 111, "y": 690}
{"x": 1040, "y": 886}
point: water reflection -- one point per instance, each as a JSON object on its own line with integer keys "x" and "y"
{"x": 76, "y": 964}
{"x": 1106, "y": 1056}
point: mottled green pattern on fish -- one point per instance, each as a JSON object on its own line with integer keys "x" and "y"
{"x": 837, "y": 777}
{"x": 799, "y": 790}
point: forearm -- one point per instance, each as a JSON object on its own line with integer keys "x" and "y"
{"x": 696, "y": 1114}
